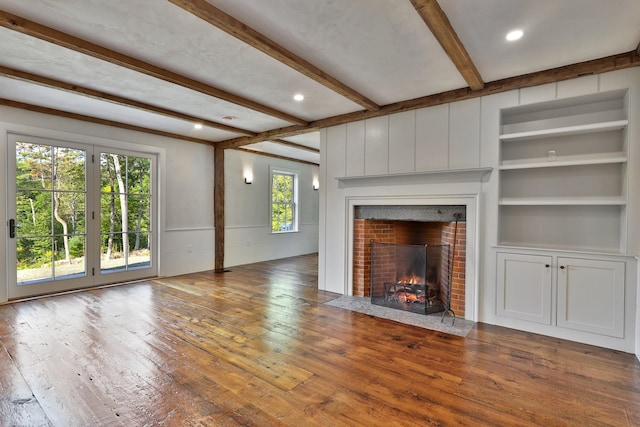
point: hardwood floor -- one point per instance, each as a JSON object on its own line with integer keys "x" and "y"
{"x": 256, "y": 346}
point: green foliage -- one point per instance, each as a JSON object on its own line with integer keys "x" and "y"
{"x": 76, "y": 246}
{"x": 282, "y": 202}
{"x": 51, "y": 194}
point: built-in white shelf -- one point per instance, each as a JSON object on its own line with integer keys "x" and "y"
{"x": 563, "y": 201}
{"x": 560, "y": 161}
{"x": 564, "y": 186}
{"x": 565, "y": 131}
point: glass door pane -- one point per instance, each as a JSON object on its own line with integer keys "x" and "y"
{"x": 125, "y": 213}
{"x": 48, "y": 205}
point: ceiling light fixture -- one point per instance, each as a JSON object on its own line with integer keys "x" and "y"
{"x": 298, "y": 97}
{"x": 197, "y": 126}
{"x": 514, "y": 35}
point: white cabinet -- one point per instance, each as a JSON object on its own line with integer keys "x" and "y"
{"x": 524, "y": 287}
{"x": 589, "y": 294}
{"x": 562, "y": 169}
{"x": 565, "y": 196}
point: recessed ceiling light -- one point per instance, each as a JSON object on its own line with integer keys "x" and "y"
{"x": 197, "y": 126}
{"x": 298, "y": 97}
{"x": 514, "y": 35}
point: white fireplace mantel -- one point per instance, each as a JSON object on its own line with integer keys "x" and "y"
{"x": 446, "y": 175}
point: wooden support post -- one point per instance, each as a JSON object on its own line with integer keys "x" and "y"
{"x": 218, "y": 208}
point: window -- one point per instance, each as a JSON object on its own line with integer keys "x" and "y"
{"x": 284, "y": 197}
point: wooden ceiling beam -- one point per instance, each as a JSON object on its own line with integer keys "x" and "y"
{"x": 275, "y": 156}
{"x": 59, "y": 38}
{"x": 216, "y": 17}
{"x": 102, "y": 96}
{"x": 435, "y": 18}
{"x": 295, "y": 145}
{"x": 96, "y": 120}
{"x": 596, "y": 66}
{"x": 267, "y": 136}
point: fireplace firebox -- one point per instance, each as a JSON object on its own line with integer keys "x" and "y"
{"x": 413, "y": 278}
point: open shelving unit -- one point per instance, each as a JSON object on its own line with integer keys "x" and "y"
{"x": 562, "y": 174}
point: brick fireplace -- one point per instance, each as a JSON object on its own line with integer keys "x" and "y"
{"x": 415, "y": 225}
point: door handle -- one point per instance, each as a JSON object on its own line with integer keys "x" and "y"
{"x": 12, "y": 228}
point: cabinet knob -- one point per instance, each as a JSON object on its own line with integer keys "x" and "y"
{"x": 547, "y": 265}
{"x": 562, "y": 267}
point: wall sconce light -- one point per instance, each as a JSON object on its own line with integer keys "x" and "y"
{"x": 248, "y": 178}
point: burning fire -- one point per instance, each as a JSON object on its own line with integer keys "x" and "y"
{"x": 411, "y": 280}
{"x": 409, "y": 297}
{"x": 412, "y": 289}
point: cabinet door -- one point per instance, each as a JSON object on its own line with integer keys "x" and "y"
{"x": 591, "y": 295}
{"x": 524, "y": 287}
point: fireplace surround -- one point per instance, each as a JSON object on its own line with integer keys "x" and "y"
{"x": 406, "y": 234}
{"x": 466, "y": 242}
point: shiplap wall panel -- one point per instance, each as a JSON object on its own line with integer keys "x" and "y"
{"x": 432, "y": 138}
{"x": 355, "y": 149}
{"x": 376, "y": 149}
{"x": 336, "y": 150}
{"x": 577, "y": 87}
{"x": 331, "y": 259}
{"x": 402, "y": 137}
{"x": 542, "y": 93}
{"x": 490, "y": 126}
{"x": 464, "y": 134}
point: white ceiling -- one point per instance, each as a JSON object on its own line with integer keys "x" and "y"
{"x": 380, "y": 48}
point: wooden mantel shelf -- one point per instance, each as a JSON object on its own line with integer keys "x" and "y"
{"x": 446, "y": 175}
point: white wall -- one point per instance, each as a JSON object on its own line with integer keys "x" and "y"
{"x": 459, "y": 135}
{"x": 248, "y": 236}
{"x": 188, "y": 241}
{"x": 186, "y": 185}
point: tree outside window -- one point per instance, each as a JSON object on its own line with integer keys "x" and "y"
{"x": 125, "y": 212}
{"x": 50, "y": 211}
{"x": 284, "y": 216}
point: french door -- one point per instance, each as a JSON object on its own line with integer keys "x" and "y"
{"x": 80, "y": 216}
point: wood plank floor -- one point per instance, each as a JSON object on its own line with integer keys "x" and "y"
{"x": 256, "y": 346}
